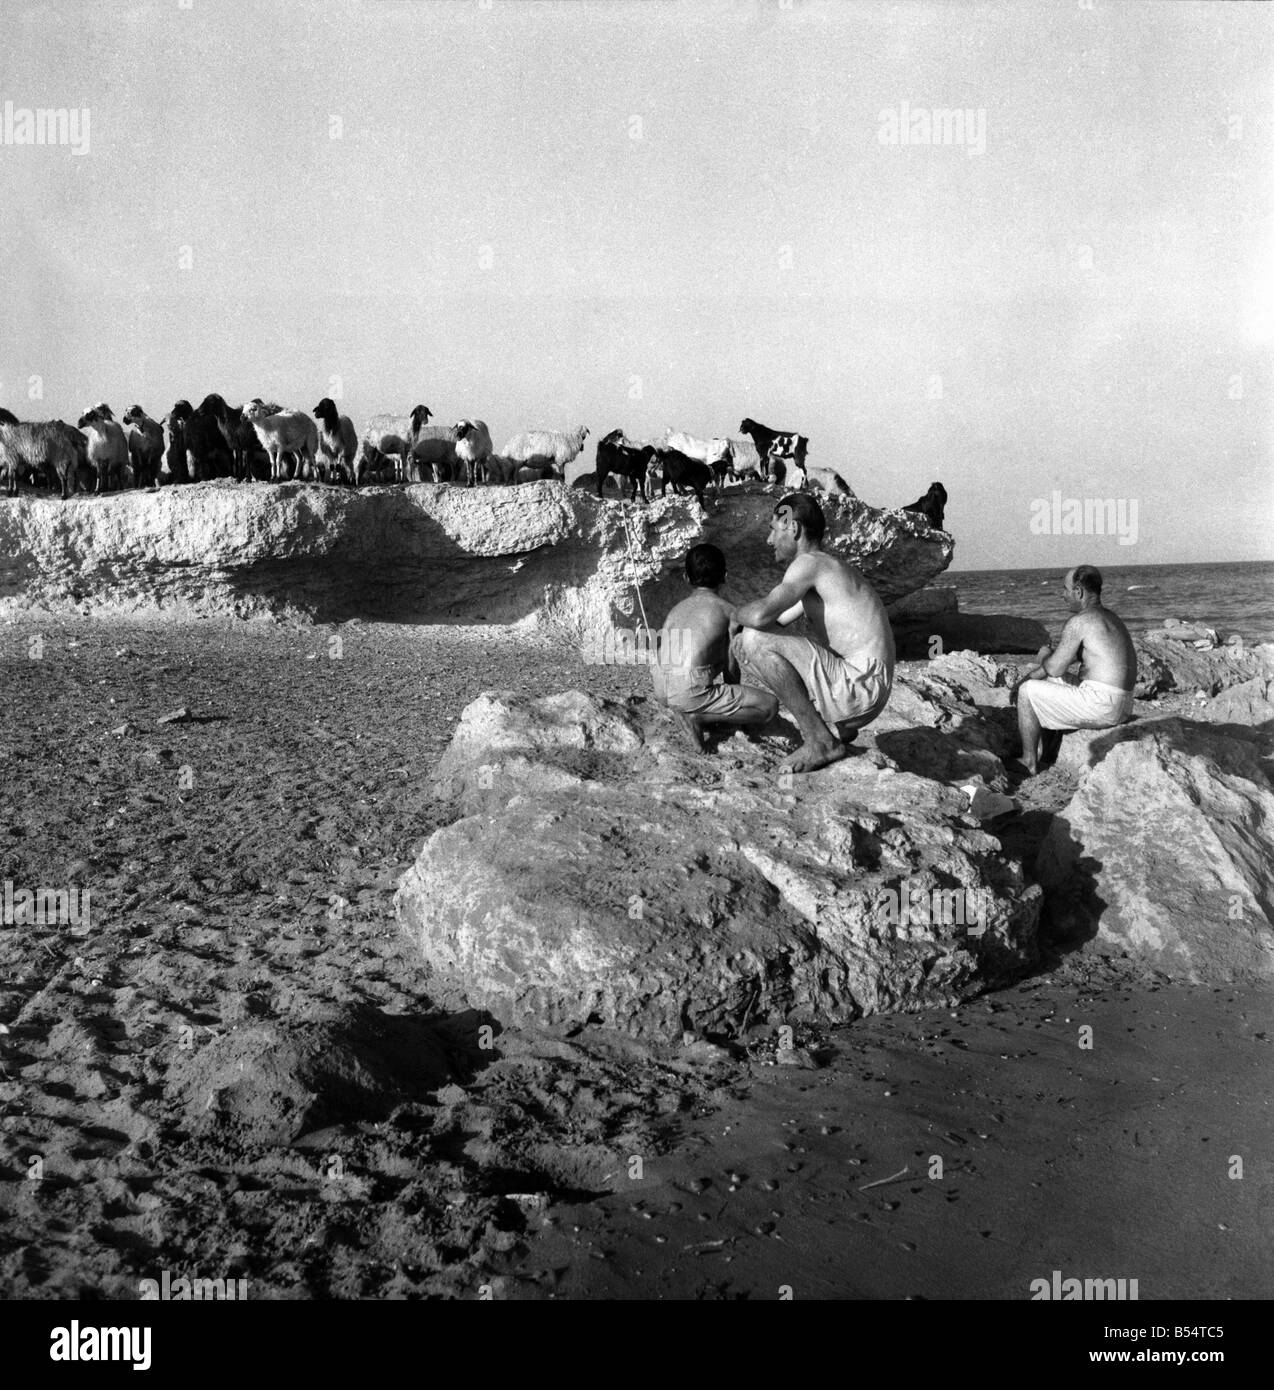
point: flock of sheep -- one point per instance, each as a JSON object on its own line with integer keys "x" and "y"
{"x": 261, "y": 441}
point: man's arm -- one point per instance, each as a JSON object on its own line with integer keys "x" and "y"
{"x": 783, "y": 602}
{"x": 1058, "y": 660}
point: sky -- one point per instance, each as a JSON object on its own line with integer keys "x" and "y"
{"x": 642, "y": 215}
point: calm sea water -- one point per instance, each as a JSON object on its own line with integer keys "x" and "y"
{"x": 1235, "y": 597}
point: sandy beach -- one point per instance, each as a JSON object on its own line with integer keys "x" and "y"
{"x": 241, "y": 864}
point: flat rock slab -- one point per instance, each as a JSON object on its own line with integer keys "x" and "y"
{"x": 599, "y": 870}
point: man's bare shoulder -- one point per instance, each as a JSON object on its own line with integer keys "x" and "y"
{"x": 699, "y": 607}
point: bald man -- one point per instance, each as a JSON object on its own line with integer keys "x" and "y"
{"x": 1101, "y": 695}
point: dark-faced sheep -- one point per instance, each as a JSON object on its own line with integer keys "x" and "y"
{"x": 284, "y": 432}
{"x": 338, "y": 441}
{"x": 145, "y": 445}
{"x": 387, "y": 441}
{"x": 473, "y": 449}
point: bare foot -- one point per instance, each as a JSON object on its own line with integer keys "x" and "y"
{"x": 811, "y": 756}
{"x": 694, "y": 729}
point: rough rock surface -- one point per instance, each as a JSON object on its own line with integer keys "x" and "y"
{"x": 536, "y": 555}
{"x": 599, "y": 869}
{"x": 1166, "y": 665}
{"x": 1166, "y": 852}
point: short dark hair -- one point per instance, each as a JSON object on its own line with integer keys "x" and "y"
{"x": 705, "y": 566}
{"x": 808, "y": 514}
{"x": 1088, "y": 577}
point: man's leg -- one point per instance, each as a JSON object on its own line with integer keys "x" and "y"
{"x": 820, "y": 745}
{"x": 1028, "y": 725}
{"x": 738, "y": 705}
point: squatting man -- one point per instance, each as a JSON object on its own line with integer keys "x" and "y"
{"x": 1050, "y": 696}
{"x": 738, "y": 665}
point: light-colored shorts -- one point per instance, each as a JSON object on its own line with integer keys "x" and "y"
{"x": 842, "y": 691}
{"x": 698, "y": 690}
{"x": 1074, "y": 704}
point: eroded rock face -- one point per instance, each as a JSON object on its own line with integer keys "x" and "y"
{"x": 598, "y": 870}
{"x": 1166, "y": 852}
{"x": 538, "y": 555}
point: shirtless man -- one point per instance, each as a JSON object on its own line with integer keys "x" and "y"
{"x": 1101, "y": 695}
{"x": 694, "y": 656}
{"x": 840, "y": 678}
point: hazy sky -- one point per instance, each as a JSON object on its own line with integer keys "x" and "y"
{"x": 641, "y": 215}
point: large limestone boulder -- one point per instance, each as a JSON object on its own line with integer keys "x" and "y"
{"x": 1170, "y": 664}
{"x": 540, "y": 555}
{"x": 1166, "y": 853}
{"x": 600, "y": 870}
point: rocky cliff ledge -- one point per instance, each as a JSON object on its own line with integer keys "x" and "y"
{"x": 535, "y": 555}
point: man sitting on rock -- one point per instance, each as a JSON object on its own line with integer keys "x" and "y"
{"x": 1100, "y": 696}
{"x": 839, "y": 678}
{"x": 694, "y": 656}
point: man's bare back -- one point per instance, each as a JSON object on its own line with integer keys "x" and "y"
{"x": 697, "y": 632}
{"x": 1106, "y": 651}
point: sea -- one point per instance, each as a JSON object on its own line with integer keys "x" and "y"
{"x": 1235, "y": 597}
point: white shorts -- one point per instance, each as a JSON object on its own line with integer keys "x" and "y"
{"x": 842, "y": 691}
{"x": 1063, "y": 704}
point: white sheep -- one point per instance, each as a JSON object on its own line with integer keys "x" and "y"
{"x": 287, "y": 432}
{"x": 389, "y": 437}
{"x": 107, "y": 446}
{"x": 546, "y": 449}
{"x": 473, "y": 449}
{"x": 714, "y": 452}
{"x": 433, "y": 454}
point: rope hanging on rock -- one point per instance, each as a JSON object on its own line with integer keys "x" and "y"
{"x": 632, "y": 572}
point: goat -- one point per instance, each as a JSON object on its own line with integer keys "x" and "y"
{"x": 717, "y": 453}
{"x": 615, "y": 454}
{"x": 551, "y": 449}
{"x": 107, "y": 447}
{"x": 776, "y": 447}
{"x": 338, "y": 441}
{"x": 284, "y": 432}
{"x": 473, "y": 449}
{"x": 145, "y": 445}
{"x": 681, "y": 470}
